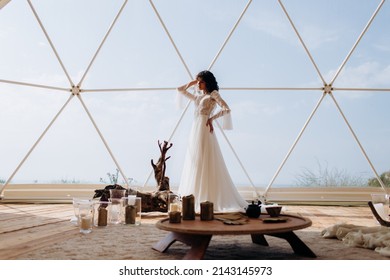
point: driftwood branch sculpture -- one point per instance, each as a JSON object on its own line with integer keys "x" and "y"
{"x": 160, "y": 167}
{"x": 151, "y": 201}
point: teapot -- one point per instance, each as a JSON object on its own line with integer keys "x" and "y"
{"x": 253, "y": 210}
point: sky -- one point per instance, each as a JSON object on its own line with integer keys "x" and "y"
{"x": 264, "y": 51}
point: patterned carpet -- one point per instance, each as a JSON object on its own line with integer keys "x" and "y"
{"x": 135, "y": 243}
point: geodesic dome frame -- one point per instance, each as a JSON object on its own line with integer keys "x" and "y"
{"x": 76, "y": 89}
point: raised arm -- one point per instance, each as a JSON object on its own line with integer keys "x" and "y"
{"x": 183, "y": 89}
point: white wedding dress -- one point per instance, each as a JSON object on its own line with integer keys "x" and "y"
{"x": 205, "y": 174}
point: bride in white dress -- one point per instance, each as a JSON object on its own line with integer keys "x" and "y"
{"x": 205, "y": 174}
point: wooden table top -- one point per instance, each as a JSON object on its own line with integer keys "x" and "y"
{"x": 217, "y": 227}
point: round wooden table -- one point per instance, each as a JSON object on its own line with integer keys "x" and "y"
{"x": 197, "y": 233}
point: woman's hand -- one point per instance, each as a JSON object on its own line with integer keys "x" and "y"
{"x": 210, "y": 124}
{"x": 192, "y": 83}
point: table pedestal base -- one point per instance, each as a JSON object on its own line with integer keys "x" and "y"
{"x": 199, "y": 243}
{"x": 298, "y": 246}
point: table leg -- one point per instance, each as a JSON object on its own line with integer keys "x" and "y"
{"x": 198, "y": 243}
{"x": 259, "y": 239}
{"x": 298, "y": 246}
{"x": 165, "y": 243}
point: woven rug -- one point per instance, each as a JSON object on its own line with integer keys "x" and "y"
{"x": 135, "y": 243}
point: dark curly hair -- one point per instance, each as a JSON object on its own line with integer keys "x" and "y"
{"x": 209, "y": 79}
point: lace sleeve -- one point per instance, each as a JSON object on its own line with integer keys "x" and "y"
{"x": 180, "y": 93}
{"x": 224, "y": 112}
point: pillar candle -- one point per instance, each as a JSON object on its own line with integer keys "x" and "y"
{"x": 130, "y": 214}
{"x": 206, "y": 211}
{"x": 102, "y": 217}
{"x": 188, "y": 207}
{"x": 175, "y": 217}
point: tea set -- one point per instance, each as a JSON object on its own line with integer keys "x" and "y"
{"x": 254, "y": 210}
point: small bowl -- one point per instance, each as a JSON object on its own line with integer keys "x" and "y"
{"x": 274, "y": 211}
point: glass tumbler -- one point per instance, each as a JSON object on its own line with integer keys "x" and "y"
{"x": 85, "y": 217}
{"x": 116, "y": 205}
{"x": 131, "y": 210}
{"x": 76, "y": 205}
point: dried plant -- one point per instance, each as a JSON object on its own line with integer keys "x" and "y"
{"x": 385, "y": 177}
{"x": 114, "y": 177}
{"x": 326, "y": 177}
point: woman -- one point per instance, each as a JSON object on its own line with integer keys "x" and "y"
{"x": 204, "y": 172}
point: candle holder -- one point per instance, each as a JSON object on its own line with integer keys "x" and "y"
{"x": 101, "y": 213}
{"x": 115, "y": 199}
{"x": 174, "y": 202}
{"x": 174, "y": 208}
{"x": 131, "y": 210}
{"x": 85, "y": 217}
{"x": 115, "y": 211}
{"x": 117, "y": 193}
{"x": 76, "y": 208}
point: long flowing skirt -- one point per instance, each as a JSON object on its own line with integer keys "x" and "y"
{"x": 205, "y": 174}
